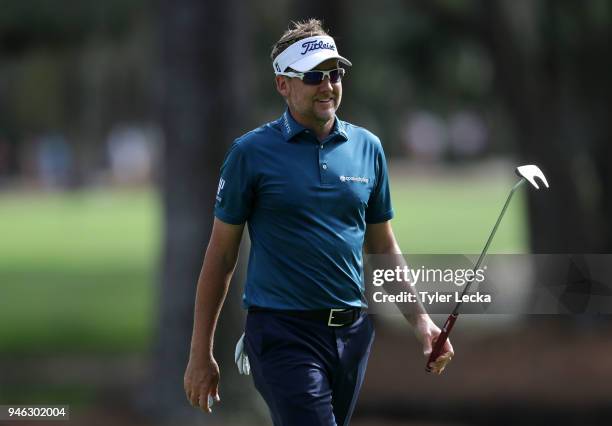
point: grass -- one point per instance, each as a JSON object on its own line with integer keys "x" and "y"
{"x": 78, "y": 270}
{"x": 457, "y": 217}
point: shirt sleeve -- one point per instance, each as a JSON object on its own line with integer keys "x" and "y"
{"x": 234, "y": 193}
{"x": 379, "y": 205}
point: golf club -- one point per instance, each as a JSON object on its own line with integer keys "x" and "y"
{"x": 528, "y": 173}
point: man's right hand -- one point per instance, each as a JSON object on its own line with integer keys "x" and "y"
{"x": 201, "y": 381}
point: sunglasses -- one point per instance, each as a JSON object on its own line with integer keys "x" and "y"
{"x": 314, "y": 78}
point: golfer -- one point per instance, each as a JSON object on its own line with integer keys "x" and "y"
{"x": 314, "y": 192}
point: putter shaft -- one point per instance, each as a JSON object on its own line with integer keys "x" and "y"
{"x": 450, "y": 321}
{"x": 488, "y": 243}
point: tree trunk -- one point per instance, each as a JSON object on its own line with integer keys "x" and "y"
{"x": 204, "y": 49}
{"x": 537, "y": 87}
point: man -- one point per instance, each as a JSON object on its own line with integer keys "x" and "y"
{"x": 314, "y": 192}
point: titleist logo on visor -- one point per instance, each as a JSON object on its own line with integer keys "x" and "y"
{"x": 305, "y": 54}
{"x": 316, "y": 45}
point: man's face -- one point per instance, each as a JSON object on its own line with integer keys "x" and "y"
{"x": 312, "y": 104}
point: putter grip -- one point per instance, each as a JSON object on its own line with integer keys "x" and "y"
{"x": 437, "y": 349}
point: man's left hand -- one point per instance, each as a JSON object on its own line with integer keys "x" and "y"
{"x": 427, "y": 332}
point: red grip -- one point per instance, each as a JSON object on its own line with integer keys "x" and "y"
{"x": 441, "y": 340}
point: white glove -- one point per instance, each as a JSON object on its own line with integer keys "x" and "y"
{"x": 241, "y": 358}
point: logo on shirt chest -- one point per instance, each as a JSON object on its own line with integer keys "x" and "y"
{"x": 357, "y": 179}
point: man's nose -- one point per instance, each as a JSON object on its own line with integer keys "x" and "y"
{"x": 325, "y": 83}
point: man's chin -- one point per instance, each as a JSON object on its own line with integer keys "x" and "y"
{"x": 326, "y": 114}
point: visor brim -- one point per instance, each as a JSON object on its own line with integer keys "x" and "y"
{"x": 311, "y": 61}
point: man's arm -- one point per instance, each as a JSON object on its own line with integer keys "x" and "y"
{"x": 202, "y": 373}
{"x": 379, "y": 239}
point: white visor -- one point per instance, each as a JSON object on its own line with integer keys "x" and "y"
{"x": 305, "y": 54}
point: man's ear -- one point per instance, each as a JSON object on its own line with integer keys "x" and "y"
{"x": 282, "y": 85}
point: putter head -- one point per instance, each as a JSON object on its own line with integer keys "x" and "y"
{"x": 531, "y": 171}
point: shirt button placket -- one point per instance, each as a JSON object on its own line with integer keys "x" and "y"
{"x": 323, "y": 165}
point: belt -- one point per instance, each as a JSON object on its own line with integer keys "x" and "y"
{"x": 335, "y": 317}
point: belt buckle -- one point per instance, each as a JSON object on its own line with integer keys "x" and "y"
{"x": 331, "y": 317}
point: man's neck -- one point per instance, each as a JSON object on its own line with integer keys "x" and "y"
{"x": 320, "y": 129}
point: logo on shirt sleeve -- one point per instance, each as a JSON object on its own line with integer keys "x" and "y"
{"x": 219, "y": 189}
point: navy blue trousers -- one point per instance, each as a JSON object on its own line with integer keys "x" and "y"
{"x": 308, "y": 373}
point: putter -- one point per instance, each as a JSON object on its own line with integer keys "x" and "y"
{"x": 527, "y": 173}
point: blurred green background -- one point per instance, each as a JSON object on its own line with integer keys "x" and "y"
{"x": 78, "y": 268}
{"x": 78, "y": 272}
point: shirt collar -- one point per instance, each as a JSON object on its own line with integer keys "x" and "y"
{"x": 339, "y": 130}
{"x": 291, "y": 128}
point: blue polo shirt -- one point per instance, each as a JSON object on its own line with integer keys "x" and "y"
{"x": 306, "y": 204}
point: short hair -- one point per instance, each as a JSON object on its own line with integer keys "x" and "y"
{"x": 298, "y": 30}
